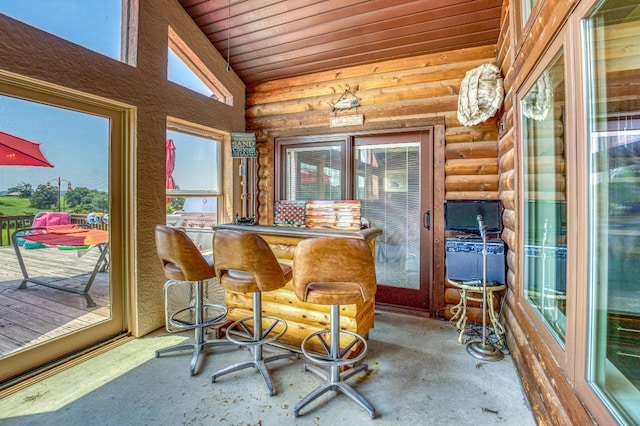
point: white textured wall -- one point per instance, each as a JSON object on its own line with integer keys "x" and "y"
{"x": 30, "y": 52}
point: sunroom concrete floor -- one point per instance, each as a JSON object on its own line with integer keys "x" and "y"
{"x": 418, "y": 375}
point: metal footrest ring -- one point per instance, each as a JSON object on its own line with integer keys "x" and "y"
{"x": 217, "y": 319}
{"x": 249, "y": 340}
{"x": 318, "y": 358}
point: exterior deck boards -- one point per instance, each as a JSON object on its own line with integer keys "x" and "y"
{"x": 38, "y": 313}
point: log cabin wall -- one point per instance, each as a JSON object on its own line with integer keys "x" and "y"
{"x": 397, "y": 94}
{"x": 551, "y": 395}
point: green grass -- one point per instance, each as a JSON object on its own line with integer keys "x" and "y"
{"x": 13, "y": 206}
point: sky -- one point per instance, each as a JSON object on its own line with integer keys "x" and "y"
{"x": 77, "y": 143}
{"x": 195, "y": 154}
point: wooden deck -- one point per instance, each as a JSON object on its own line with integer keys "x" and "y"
{"x": 36, "y": 314}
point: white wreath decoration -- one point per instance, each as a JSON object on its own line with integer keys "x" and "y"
{"x": 537, "y": 101}
{"x": 481, "y": 94}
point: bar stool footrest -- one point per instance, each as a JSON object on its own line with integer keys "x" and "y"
{"x": 244, "y": 337}
{"x": 217, "y": 319}
{"x": 318, "y": 358}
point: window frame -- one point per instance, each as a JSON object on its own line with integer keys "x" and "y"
{"x": 127, "y": 15}
{"x": 282, "y": 144}
{"x": 191, "y": 60}
{"x": 121, "y": 213}
{"x": 193, "y": 129}
{"x": 522, "y": 26}
{"x": 596, "y": 403}
{"x": 563, "y": 354}
{"x": 572, "y": 360}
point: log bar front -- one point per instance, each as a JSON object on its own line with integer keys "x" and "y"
{"x": 302, "y": 318}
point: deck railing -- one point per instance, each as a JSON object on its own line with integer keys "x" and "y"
{"x": 8, "y": 225}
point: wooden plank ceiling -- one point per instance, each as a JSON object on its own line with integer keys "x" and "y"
{"x": 273, "y": 39}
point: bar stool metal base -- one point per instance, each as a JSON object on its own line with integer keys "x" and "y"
{"x": 199, "y": 342}
{"x": 198, "y": 345}
{"x": 258, "y": 362}
{"x": 255, "y": 341}
{"x": 334, "y": 379}
{"x": 336, "y": 385}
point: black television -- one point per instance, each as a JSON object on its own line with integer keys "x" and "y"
{"x": 462, "y": 216}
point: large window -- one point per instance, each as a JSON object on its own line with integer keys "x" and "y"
{"x": 613, "y": 121}
{"x": 544, "y": 194}
{"x": 77, "y": 146}
{"x": 313, "y": 170}
{"x": 180, "y": 73}
{"x": 96, "y": 25}
{"x": 78, "y": 173}
{"x": 194, "y": 180}
{"x": 185, "y": 68}
{"x": 581, "y": 205}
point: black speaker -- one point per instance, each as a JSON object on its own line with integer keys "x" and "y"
{"x": 464, "y": 259}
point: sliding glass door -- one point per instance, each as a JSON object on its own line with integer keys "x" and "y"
{"x": 613, "y": 318}
{"x": 392, "y": 175}
{"x": 393, "y": 179}
{"x": 74, "y": 296}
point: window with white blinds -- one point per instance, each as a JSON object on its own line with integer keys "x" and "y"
{"x": 314, "y": 171}
{"x": 387, "y": 181}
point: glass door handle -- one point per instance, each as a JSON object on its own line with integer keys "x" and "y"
{"x": 426, "y": 219}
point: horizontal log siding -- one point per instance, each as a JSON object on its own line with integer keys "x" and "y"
{"x": 552, "y": 397}
{"x": 402, "y": 93}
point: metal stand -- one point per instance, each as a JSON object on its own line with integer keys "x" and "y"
{"x": 255, "y": 341}
{"x": 483, "y": 350}
{"x": 200, "y": 342}
{"x": 335, "y": 360}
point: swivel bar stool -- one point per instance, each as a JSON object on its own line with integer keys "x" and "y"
{"x": 182, "y": 261}
{"x": 334, "y": 271}
{"x": 246, "y": 264}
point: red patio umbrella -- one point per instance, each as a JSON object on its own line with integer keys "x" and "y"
{"x": 15, "y": 151}
{"x": 170, "y": 165}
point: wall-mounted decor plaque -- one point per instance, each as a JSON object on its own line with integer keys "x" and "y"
{"x": 243, "y": 145}
{"x": 347, "y": 120}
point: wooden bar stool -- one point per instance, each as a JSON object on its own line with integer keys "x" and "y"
{"x": 182, "y": 261}
{"x": 246, "y": 264}
{"x": 334, "y": 271}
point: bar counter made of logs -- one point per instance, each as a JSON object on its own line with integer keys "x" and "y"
{"x": 302, "y": 318}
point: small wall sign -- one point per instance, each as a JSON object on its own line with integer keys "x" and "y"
{"x": 347, "y": 120}
{"x": 243, "y": 145}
